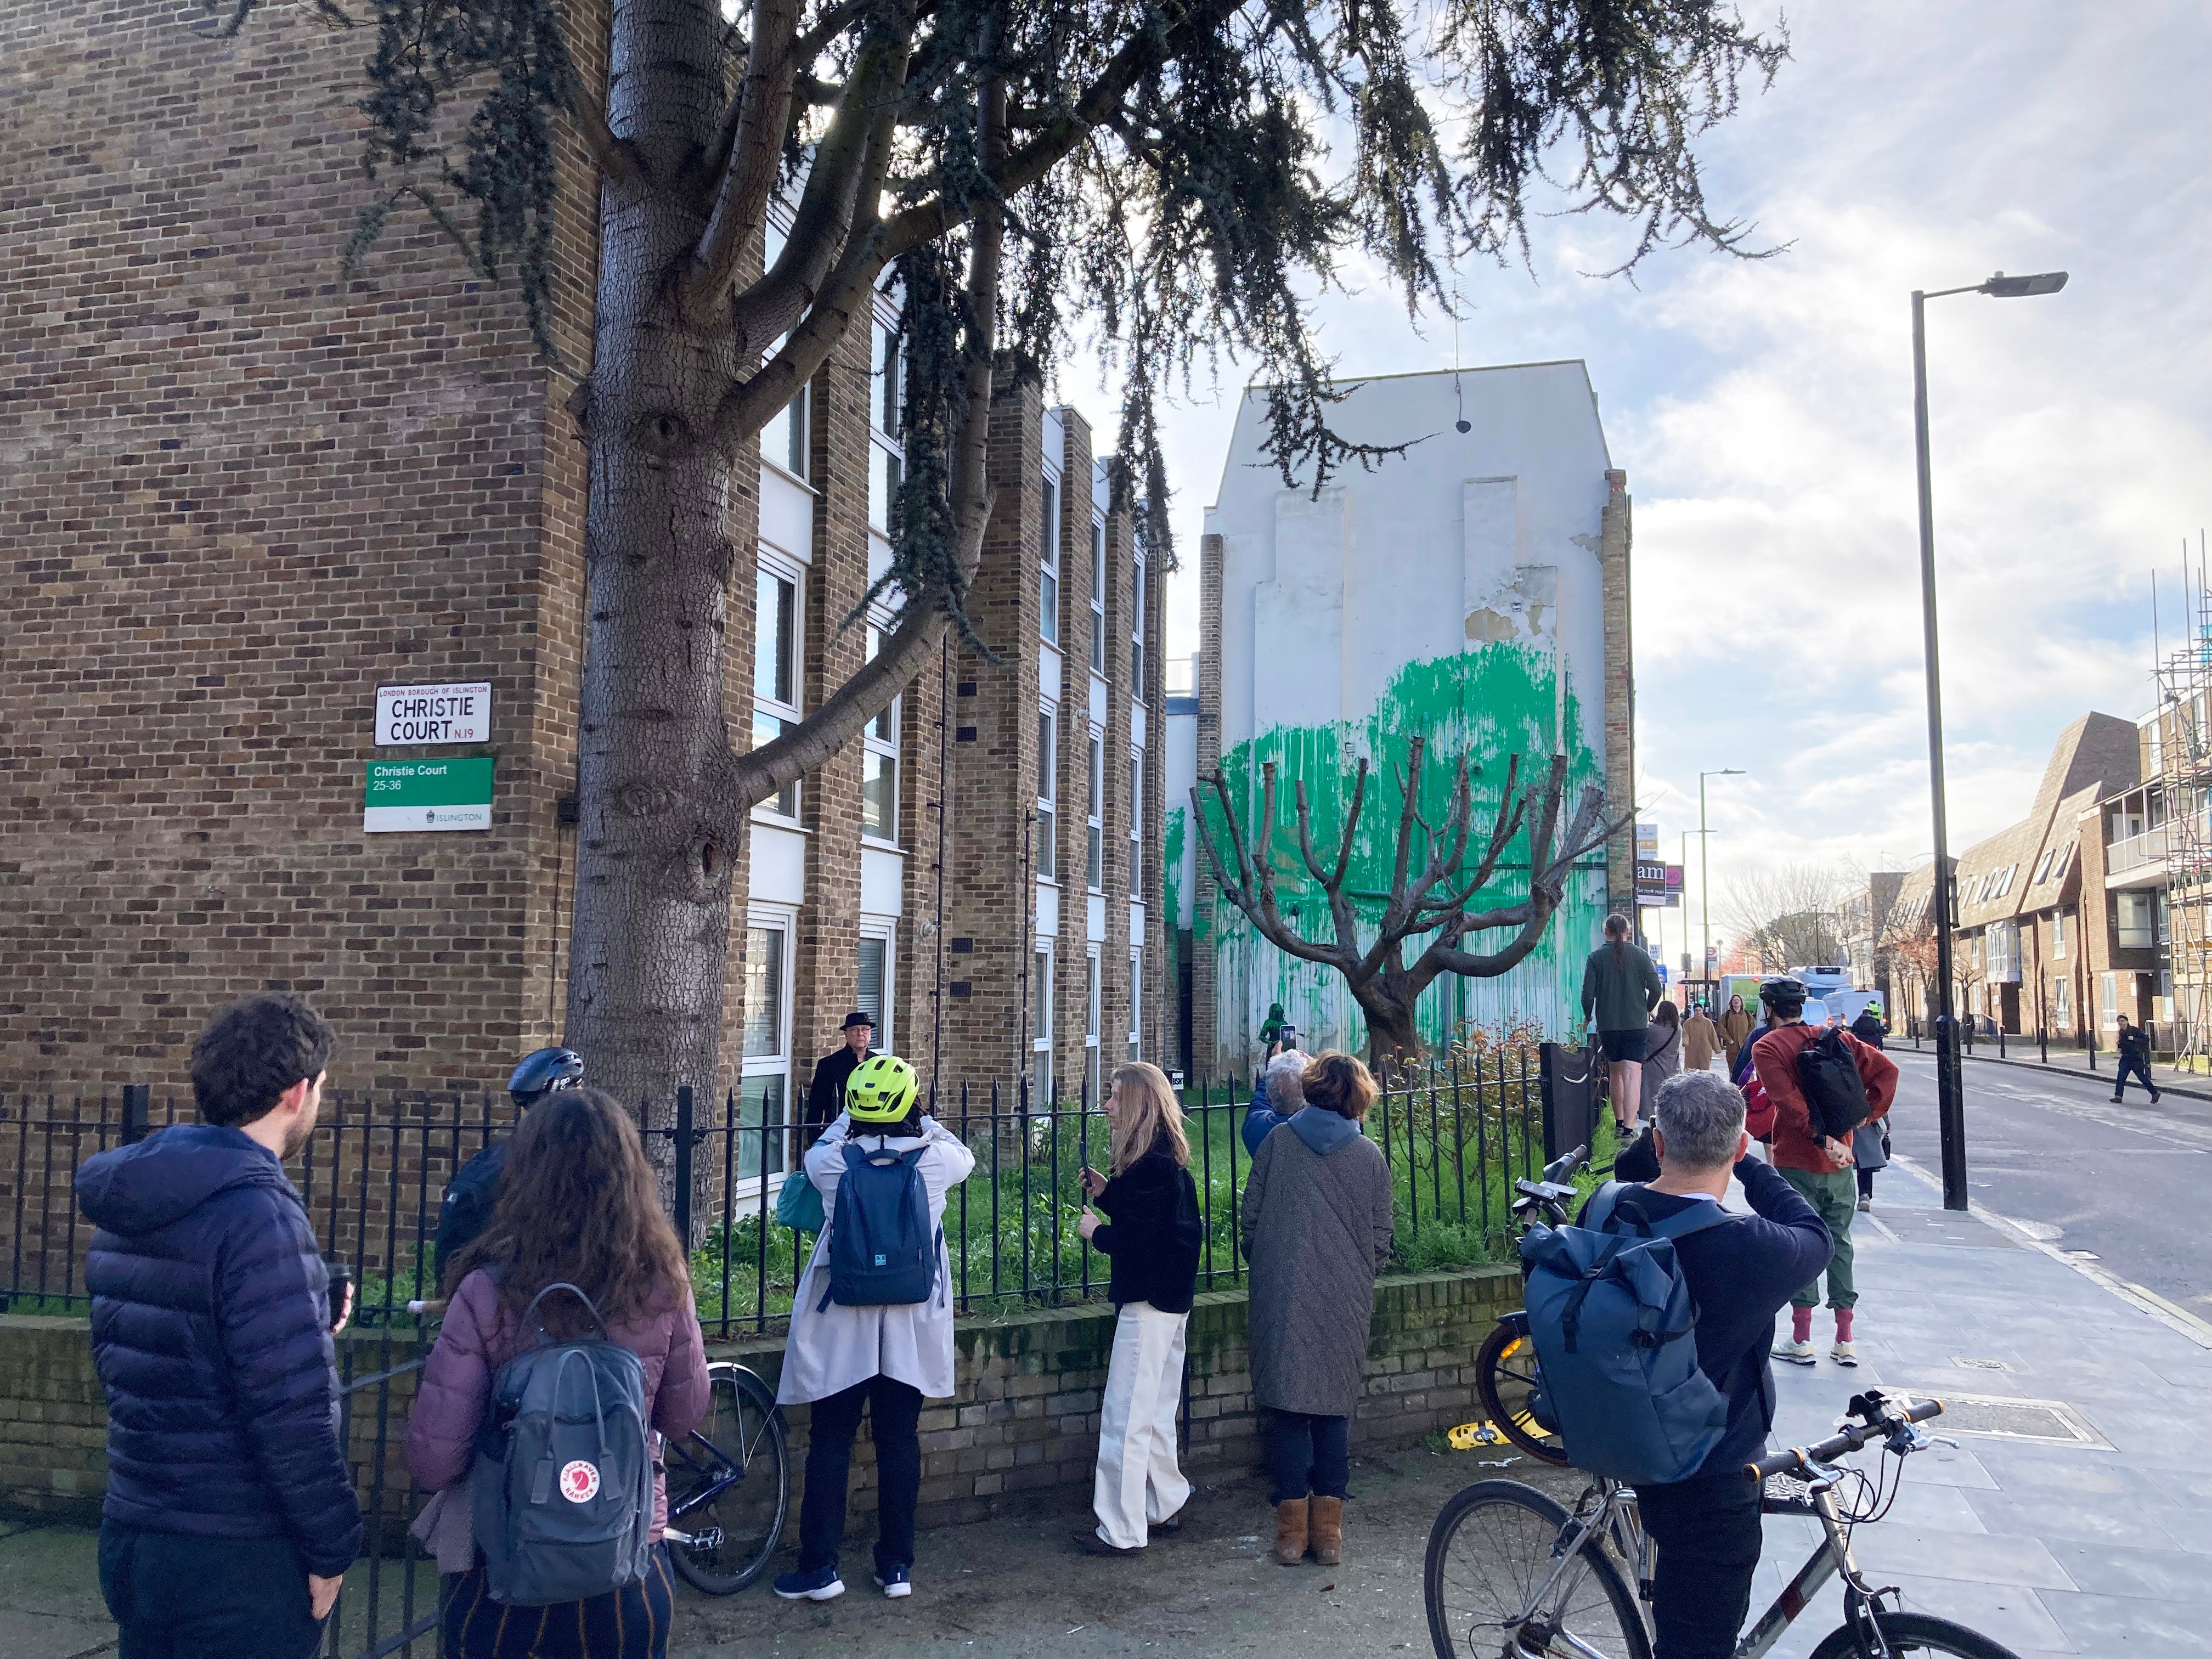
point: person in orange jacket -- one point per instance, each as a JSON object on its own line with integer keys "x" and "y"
{"x": 1819, "y": 1167}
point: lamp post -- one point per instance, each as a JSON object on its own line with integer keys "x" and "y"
{"x": 1950, "y": 1091}
{"x": 1704, "y": 858}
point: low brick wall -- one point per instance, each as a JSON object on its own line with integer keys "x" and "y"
{"x": 1021, "y": 1433}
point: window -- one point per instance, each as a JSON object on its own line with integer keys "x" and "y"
{"x": 784, "y": 442}
{"x": 2133, "y": 926}
{"x": 1137, "y": 628}
{"x": 1136, "y": 802}
{"x": 1048, "y": 793}
{"x": 1095, "y": 856}
{"x": 1091, "y": 1095}
{"x": 2062, "y": 1012}
{"x": 2065, "y": 857}
{"x": 874, "y": 997}
{"x": 765, "y": 1090}
{"x": 1049, "y": 562}
{"x": 1097, "y": 597}
{"x": 775, "y": 670}
{"x": 2108, "y": 1000}
{"x": 2043, "y": 866}
{"x": 880, "y": 763}
{"x": 1136, "y": 999}
{"x": 886, "y": 400}
{"x": 1041, "y": 1029}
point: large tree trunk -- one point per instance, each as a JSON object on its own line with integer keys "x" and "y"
{"x": 654, "y": 860}
{"x": 1386, "y": 1001}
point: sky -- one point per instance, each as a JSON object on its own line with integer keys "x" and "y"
{"x": 1763, "y": 412}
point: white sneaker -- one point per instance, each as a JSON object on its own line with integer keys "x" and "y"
{"x": 1843, "y": 1353}
{"x": 1797, "y": 1353}
{"x": 1866, "y": 1206}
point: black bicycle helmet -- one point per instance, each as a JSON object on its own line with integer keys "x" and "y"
{"x": 1783, "y": 994}
{"x": 541, "y": 1073}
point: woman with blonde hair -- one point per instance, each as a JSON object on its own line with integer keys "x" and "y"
{"x": 1316, "y": 1226}
{"x": 1152, "y": 1237}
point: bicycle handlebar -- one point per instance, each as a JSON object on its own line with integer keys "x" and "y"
{"x": 1883, "y": 1417}
{"x": 1560, "y": 1168}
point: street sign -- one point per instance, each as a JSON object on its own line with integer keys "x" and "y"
{"x": 1658, "y": 886}
{"x": 434, "y": 714}
{"x": 428, "y": 795}
{"x": 1647, "y": 841}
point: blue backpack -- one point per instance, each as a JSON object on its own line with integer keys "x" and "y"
{"x": 883, "y": 1251}
{"x": 1611, "y": 1318}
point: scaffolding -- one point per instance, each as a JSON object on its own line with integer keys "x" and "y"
{"x": 2179, "y": 770}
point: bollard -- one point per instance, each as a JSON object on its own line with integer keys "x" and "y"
{"x": 2001, "y": 1037}
{"x": 2092, "y": 1047}
{"x": 2042, "y": 1044}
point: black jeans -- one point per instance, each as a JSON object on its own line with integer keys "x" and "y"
{"x": 175, "y": 1596}
{"x": 1706, "y": 1531}
{"x": 2131, "y": 1063}
{"x": 1308, "y": 1454}
{"x": 1866, "y": 1181}
{"x": 893, "y": 1410}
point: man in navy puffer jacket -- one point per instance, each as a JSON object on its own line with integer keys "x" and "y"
{"x": 230, "y": 1516}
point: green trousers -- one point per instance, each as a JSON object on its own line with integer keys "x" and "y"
{"x": 1834, "y": 1196}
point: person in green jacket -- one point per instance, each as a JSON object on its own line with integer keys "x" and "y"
{"x": 1620, "y": 989}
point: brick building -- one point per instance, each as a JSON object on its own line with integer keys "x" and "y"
{"x": 239, "y": 495}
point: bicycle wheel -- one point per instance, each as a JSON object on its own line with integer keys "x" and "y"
{"x": 1490, "y": 1553}
{"x": 729, "y": 1484}
{"x": 1914, "y": 1633}
{"x": 1505, "y": 1376}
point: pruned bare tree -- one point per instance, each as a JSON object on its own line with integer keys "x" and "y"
{"x": 1788, "y": 916}
{"x": 1434, "y": 895}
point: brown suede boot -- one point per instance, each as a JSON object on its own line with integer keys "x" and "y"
{"x": 1291, "y": 1532}
{"x": 1329, "y": 1530}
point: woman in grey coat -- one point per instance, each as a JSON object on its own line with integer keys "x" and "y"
{"x": 1315, "y": 1228}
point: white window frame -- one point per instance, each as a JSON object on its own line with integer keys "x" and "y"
{"x": 1136, "y": 806}
{"x": 2061, "y": 1010}
{"x": 1137, "y": 628}
{"x": 1046, "y": 861}
{"x": 2108, "y": 1001}
{"x": 1041, "y": 1033}
{"x": 880, "y": 739}
{"x": 1094, "y": 824}
{"x": 1049, "y": 561}
{"x": 886, "y": 450}
{"x": 1136, "y": 1001}
{"x": 883, "y": 930}
{"x": 1098, "y": 597}
{"x": 785, "y": 808}
{"x": 2058, "y": 936}
{"x": 1094, "y": 1001}
{"x": 784, "y": 438}
{"x": 775, "y": 919}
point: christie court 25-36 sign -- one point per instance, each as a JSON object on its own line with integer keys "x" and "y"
{"x": 453, "y": 793}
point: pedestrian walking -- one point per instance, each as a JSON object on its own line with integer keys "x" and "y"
{"x": 1620, "y": 989}
{"x": 229, "y": 1517}
{"x": 1700, "y": 1040}
{"x": 1663, "y": 1049}
{"x": 2133, "y": 1058}
{"x": 846, "y": 1356}
{"x": 1735, "y": 1024}
{"x": 1151, "y": 1235}
{"x": 1870, "y": 1141}
{"x": 1818, "y": 1166}
{"x": 825, "y": 1092}
{"x": 580, "y": 1209}
{"x": 1316, "y": 1228}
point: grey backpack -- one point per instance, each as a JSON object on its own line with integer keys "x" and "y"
{"x": 563, "y": 1487}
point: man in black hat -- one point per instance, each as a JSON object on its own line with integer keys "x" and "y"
{"x": 825, "y": 1096}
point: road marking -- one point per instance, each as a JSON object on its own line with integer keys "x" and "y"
{"x": 2178, "y": 1319}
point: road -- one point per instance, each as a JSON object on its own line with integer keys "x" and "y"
{"x": 2125, "y": 1183}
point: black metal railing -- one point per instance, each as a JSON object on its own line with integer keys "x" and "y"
{"x": 1455, "y": 1132}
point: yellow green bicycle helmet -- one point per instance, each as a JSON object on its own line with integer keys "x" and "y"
{"x": 881, "y": 1090}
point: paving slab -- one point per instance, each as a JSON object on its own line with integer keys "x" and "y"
{"x": 2117, "y": 1624}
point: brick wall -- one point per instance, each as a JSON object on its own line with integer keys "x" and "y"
{"x": 1022, "y": 1431}
{"x": 1616, "y": 540}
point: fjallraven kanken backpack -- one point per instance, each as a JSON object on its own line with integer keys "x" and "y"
{"x": 563, "y": 1487}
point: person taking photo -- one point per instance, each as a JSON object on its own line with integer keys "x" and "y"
{"x": 1151, "y": 1235}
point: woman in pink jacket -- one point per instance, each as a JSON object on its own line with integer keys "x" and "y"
{"x": 578, "y": 1205}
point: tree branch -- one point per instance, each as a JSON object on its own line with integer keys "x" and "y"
{"x": 1258, "y": 906}
{"x": 612, "y": 155}
{"x": 742, "y": 202}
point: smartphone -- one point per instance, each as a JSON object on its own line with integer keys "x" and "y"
{"x": 341, "y": 1283}
{"x": 1289, "y": 1038}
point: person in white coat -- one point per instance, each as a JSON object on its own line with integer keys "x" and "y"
{"x": 844, "y": 1360}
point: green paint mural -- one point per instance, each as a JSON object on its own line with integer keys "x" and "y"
{"x": 1172, "y": 901}
{"x": 1489, "y": 704}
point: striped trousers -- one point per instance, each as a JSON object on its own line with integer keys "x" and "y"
{"x": 630, "y": 1623}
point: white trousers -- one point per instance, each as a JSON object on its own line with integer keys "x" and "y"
{"x": 1138, "y": 1483}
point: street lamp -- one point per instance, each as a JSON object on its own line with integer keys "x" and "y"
{"x": 1704, "y": 860}
{"x": 1950, "y": 1091}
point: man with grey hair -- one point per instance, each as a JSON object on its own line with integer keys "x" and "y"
{"x": 1279, "y": 1095}
{"x": 1740, "y": 1275}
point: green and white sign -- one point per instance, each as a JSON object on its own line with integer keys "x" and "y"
{"x": 428, "y": 794}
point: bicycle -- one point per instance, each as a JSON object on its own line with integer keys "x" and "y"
{"x": 1507, "y": 1378}
{"x": 729, "y": 1479}
{"x": 1511, "y": 1574}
